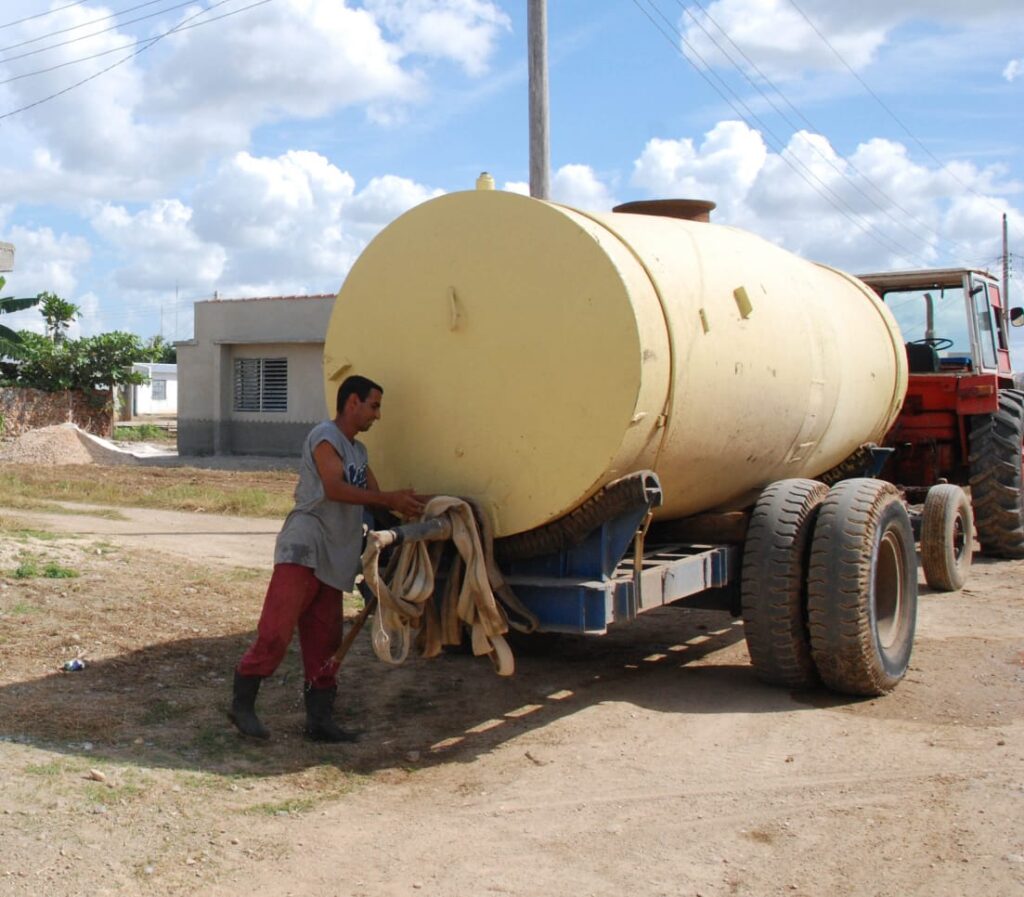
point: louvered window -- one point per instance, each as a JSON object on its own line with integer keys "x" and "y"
{"x": 261, "y": 384}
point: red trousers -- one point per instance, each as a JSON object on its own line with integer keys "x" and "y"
{"x": 295, "y": 597}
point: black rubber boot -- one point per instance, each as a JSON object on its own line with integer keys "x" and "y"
{"x": 243, "y": 707}
{"x": 320, "y": 725}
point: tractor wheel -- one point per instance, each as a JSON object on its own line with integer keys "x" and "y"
{"x": 862, "y": 588}
{"x": 947, "y": 537}
{"x": 774, "y": 582}
{"x": 996, "y": 488}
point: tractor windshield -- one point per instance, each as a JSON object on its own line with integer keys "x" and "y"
{"x": 937, "y": 315}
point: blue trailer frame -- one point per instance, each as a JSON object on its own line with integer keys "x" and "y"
{"x": 613, "y": 576}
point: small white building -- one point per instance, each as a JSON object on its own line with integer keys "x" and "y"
{"x": 158, "y": 396}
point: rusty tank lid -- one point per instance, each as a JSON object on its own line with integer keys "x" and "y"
{"x": 687, "y": 209}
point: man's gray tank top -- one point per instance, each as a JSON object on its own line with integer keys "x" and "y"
{"x": 319, "y": 533}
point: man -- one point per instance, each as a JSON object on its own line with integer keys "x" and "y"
{"x": 316, "y": 559}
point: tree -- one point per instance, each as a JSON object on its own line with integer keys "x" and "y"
{"x": 10, "y": 339}
{"x": 58, "y": 314}
{"x": 159, "y": 351}
{"x": 93, "y": 363}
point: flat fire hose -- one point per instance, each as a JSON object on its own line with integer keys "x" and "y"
{"x": 405, "y": 591}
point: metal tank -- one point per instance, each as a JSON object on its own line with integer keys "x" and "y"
{"x": 531, "y": 353}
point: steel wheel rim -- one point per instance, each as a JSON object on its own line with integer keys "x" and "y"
{"x": 887, "y": 593}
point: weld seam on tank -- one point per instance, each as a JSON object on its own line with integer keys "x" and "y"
{"x": 673, "y": 352}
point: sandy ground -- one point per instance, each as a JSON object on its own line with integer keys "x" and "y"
{"x": 648, "y": 762}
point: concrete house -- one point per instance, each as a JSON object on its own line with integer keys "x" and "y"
{"x": 250, "y": 381}
{"x": 6, "y": 257}
{"x": 160, "y": 394}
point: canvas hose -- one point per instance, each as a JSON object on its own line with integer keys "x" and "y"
{"x": 470, "y": 599}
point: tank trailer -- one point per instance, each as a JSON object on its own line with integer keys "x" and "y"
{"x": 655, "y": 410}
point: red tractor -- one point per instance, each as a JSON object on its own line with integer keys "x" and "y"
{"x": 963, "y": 419}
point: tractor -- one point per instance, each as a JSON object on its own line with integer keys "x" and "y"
{"x": 962, "y": 422}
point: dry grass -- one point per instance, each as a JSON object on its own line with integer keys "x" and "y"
{"x": 245, "y": 494}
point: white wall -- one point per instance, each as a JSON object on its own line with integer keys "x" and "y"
{"x": 143, "y": 400}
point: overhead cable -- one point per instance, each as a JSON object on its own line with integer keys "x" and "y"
{"x": 141, "y": 49}
{"x": 887, "y": 199}
{"x": 946, "y": 169}
{"x": 35, "y": 40}
{"x": 82, "y": 37}
{"x": 884, "y": 240}
{"x": 40, "y": 15}
{"x": 80, "y": 59}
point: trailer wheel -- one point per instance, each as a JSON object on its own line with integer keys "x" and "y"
{"x": 774, "y": 582}
{"x": 947, "y": 537}
{"x": 996, "y": 490}
{"x": 862, "y": 588}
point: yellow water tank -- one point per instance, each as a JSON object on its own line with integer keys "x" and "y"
{"x": 530, "y": 353}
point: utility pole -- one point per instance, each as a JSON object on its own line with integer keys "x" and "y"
{"x": 540, "y": 149}
{"x": 1006, "y": 266}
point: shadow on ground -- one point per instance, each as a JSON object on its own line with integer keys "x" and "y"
{"x": 164, "y": 705}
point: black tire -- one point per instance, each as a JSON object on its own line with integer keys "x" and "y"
{"x": 947, "y": 537}
{"x": 996, "y": 489}
{"x": 774, "y": 582}
{"x": 862, "y": 588}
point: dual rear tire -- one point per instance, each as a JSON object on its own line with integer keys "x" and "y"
{"x": 829, "y": 586}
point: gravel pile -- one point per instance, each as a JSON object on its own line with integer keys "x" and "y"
{"x": 62, "y": 444}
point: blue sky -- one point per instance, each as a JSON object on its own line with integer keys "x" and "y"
{"x": 257, "y": 153}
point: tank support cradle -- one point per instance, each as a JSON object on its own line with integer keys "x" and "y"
{"x": 613, "y": 575}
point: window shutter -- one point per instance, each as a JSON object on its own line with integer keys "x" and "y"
{"x": 275, "y": 384}
{"x": 261, "y": 384}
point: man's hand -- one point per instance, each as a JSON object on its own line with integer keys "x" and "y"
{"x": 405, "y": 502}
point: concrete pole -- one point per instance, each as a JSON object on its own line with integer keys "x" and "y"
{"x": 1006, "y": 266}
{"x": 540, "y": 149}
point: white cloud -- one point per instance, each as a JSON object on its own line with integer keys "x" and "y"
{"x": 464, "y": 31}
{"x": 782, "y": 43}
{"x": 134, "y": 132}
{"x": 1014, "y": 69}
{"x": 45, "y": 261}
{"x": 777, "y": 39}
{"x": 723, "y": 168}
{"x": 876, "y": 209}
{"x": 161, "y": 246}
{"x": 256, "y": 226}
{"x": 579, "y": 186}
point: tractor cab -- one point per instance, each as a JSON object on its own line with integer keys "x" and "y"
{"x": 954, "y": 320}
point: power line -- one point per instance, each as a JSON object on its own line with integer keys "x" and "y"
{"x": 831, "y": 162}
{"x": 889, "y": 111}
{"x": 35, "y": 40}
{"x": 145, "y": 46}
{"x": 41, "y": 15}
{"x": 61, "y": 65}
{"x": 82, "y": 37}
{"x": 884, "y": 240}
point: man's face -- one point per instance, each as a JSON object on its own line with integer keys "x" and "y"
{"x": 367, "y": 412}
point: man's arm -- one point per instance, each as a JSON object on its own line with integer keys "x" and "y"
{"x": 332, "y": 474}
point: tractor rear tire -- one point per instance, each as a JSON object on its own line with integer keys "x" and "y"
{"x": 774, "y": 582}
{"x": 862, "y": 588}
{"x": 997, "y": 443}
{"x": 947, "y": 537}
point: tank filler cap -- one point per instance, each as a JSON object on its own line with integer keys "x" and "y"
{"x": 485, "y": 181}
{"x": 687, "y": 209}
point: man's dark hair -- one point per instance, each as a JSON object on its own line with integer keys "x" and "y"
{"x": 357, "y": 386}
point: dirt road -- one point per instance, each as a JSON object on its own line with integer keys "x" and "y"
{"x": 650, "y": 762}
{"x": 203, "y": 538}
